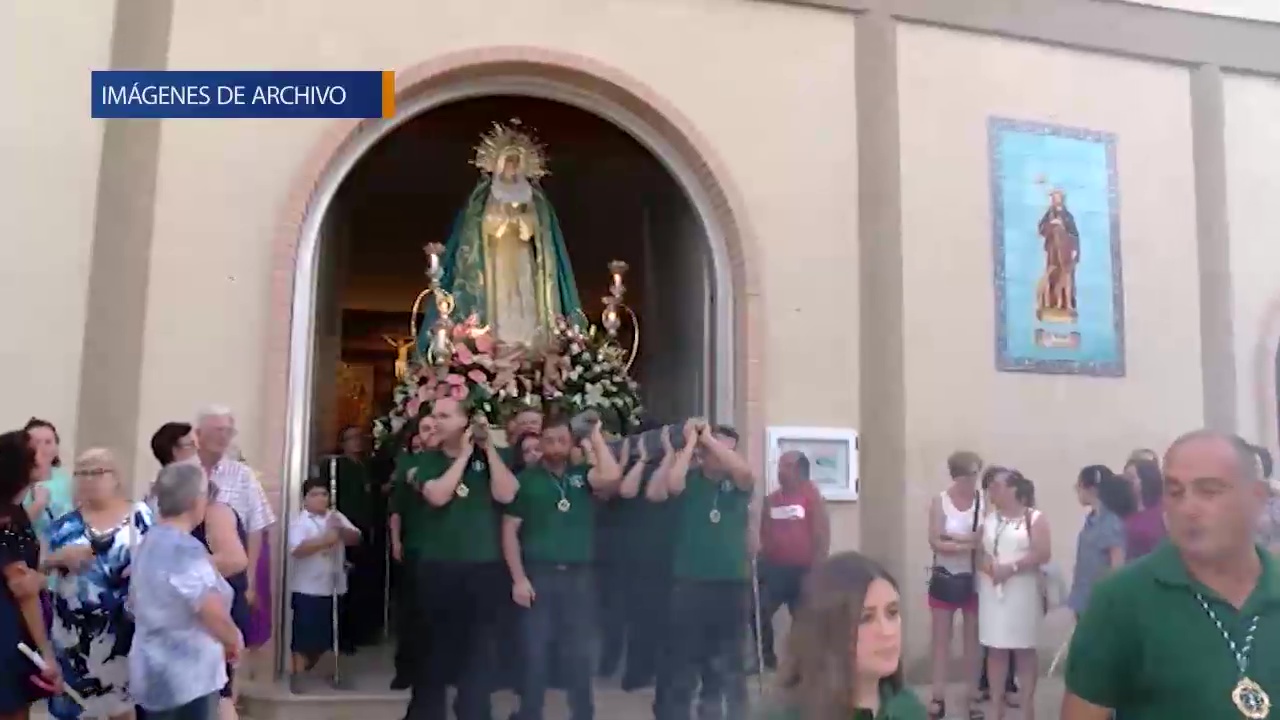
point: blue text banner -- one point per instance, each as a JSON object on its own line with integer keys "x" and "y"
{"x": 243, "y": 94}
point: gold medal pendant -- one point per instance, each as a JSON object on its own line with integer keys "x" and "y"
{"x": 462, "y": 491}
{"x": 715, "y": 516}
{"x": 1251, "y": 700}
{"x": 563, "y": 505}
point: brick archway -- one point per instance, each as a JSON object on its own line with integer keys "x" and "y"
{"x": 650, "y": 118}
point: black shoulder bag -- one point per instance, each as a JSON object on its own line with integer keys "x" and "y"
{"x": 955, "y": 588}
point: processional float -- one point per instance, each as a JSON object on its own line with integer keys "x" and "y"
{"x": 573, "y": 365}
{"x": 475, "y": 343}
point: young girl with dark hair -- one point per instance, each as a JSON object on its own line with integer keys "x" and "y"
{"x": 1100, "y": 546}
{"x": 49, "y": 496}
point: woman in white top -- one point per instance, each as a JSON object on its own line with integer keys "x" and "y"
{"x": 1015, "y": 545}
{"x": 955, "y": 515}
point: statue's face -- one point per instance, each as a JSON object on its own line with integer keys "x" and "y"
{"x": 1057, "y": 199}
{"x": 509, "y": 166}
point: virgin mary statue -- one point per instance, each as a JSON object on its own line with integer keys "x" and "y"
{"x": 505, "y": 260}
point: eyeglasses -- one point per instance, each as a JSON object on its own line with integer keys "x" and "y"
{"x": 92, "y": 472}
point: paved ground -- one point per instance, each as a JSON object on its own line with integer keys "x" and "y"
{"x": 615, "y": 705}
{"x": 1048, "y": 700}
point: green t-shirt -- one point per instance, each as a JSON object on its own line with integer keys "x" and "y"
{"x": 508, "y": 455}
{"x": 1146, "y": 648}
{"x": 713, "y": 519}
{"x": 465, "y": 529}
{"x": 644, "y": 531}
{"x": 405, "y": 501}
{"x": 558, "y": 515}
{"x": 900, "y": 705}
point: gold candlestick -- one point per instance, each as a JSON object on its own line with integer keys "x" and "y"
{"x": 614, "y": 306}
{"x": 440, "y": 348}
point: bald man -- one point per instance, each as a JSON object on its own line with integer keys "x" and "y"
{"x": 1192, "y": 629}
{"x": 794, "y": 534}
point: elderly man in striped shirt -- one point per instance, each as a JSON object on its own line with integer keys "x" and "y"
{"x": 239, "y": 489}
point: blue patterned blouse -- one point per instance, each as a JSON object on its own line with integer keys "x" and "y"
{"x": 92, "y": 631}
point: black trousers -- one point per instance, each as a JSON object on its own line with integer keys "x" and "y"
{"x": 779, "y": 585}
{"x": 508, "y": 662}
{"x": 646, "y": 612}
{"x": 360, "y": 611}
{"x": 611, "y": 590}
{"x": 408, "y": 633}
{"x": 708, "y": 637}
{"x": 457, "y": 605}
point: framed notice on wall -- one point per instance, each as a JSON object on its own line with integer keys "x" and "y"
{"x": 832, "y": 455}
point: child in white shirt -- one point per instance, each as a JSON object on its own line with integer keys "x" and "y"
{"x": 318, "y": 537}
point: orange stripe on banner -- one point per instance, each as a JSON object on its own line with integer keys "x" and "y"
{"x": 388, "y": 93}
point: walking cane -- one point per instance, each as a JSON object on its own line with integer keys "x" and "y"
{"x": 1060, "y": 655}
{"x": 755, "y": 594}
{"x": 337, "y": 563}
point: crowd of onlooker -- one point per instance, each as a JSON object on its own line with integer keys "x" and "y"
{"x": 129, "y": 607}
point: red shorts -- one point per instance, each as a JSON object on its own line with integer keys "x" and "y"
{"x": 970, "y": 605}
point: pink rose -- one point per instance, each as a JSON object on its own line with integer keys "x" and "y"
{"x": 484, "y": 343}
{"x": 462, "y": 353}
{"x": 412, "y": 408}
{"x": 442, "y": 392}
{"x": 455, "y": 379}
{"x": 458, "y": 392}
{"x": 477, "y": 376}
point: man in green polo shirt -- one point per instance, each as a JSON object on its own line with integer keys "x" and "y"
{"x": 1190, "y": 630}
{"x": 548, "y": 540}
{"x": 710, "y": 594}
{"x": 459, "y": 574}
{"x": 402, "y": 530}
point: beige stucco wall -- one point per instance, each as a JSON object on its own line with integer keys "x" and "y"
{"x": 49, "y": 162}
{"x": 1253, "y": 184}
{"x": 1261, "y": 10}
{"x": 1048, "y": 426}
{"x": 785, "y": 136}
{"x": 49, "y": 156}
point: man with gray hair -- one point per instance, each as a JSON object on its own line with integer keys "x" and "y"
{"x": 238, "y": 489}
{"x": 184, "y": 636}
{"x": 1189, "y": 630}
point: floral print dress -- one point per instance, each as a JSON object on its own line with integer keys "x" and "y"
{"x": 92, "y": 632}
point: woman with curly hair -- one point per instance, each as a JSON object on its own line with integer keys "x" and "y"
{"x": 845, "y": 647}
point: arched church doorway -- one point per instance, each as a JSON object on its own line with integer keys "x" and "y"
{"x": 615, "y": 200}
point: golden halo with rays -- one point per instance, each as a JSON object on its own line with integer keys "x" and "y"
{"x": 503, "y": 140}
